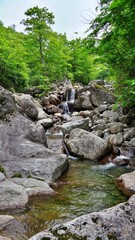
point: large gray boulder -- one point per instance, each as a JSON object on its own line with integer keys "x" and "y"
{"x": 83, "y": 102}
{"x": 86, "y": 145}
{"x": 114, "y": 223}
{"x": 77, "y": 122}
{"x": 26, "y": 105}
{"x": 23, "y": 153}
{"x": 100, "y": 96}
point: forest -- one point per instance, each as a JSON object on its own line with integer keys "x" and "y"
{"x": 39, "y": 56}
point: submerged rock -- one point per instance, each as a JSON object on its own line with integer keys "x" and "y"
{"x": 113, "y": 223}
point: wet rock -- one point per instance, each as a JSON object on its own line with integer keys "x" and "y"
{"x": 53, "y": 99}
{"x": 114, "y": 223}
{"x": 121, "y": 160}
{"x": 87, "y": 145}
{"x": 126, "y": 183}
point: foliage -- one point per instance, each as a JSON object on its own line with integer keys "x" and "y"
{"x": 114, "y": 31}
{"x": 41, "y": 56}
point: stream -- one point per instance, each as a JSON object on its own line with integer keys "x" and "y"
{"x": 86, "y": 187}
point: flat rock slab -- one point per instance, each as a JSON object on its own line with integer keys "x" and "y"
{"x": 34, "y": 187}
{"x": 12, "y": 195}
{"x": 114, "y": 223}
{"x": 126, "y": 183}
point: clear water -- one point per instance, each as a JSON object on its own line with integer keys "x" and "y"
{"x": 86, "y": 187}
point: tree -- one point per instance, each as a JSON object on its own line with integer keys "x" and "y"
{"x": 13, "y": 67}
{"x": 114, "y": 32}
{"x": 38, "y": 23}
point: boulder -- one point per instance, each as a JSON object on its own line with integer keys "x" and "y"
{"x": 26, "y": 105}
{"x": 10, "y": 228}
{"x": 99, "y": 97}
{"x": 116, "y": 139}
{"x": 114, "y": 223}
{"x": 12, "y": 196}
{"x": 129, "y": 133}
{"x": 23, "y": 151}
{"x": 116, "y": 127}
{"x": 121, "y": 160}
{"x": 34, "y": 187}
{"x": 126, "y": 183}
{"x": 77, "y": 122}
{"x": 83, "y": 102}
{"x": 86, "y": 145}
{"x": 7, "y": 104}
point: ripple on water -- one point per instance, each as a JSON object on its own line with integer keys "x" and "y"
{"x": 86, "y": 187}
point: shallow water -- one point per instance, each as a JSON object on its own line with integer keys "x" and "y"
{"x": 86, "y": 187}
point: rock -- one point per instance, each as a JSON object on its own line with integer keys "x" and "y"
{"x": 121, "y": 160}
{"x": 98, "y": 97}
{"x": 116, "y": 127}
{"x": 102, "y": 108}
{"x": 114, "y": 223}
{"x": 46, "y": 123}
{"x": 7, "y": 104}
{"x": 86, "y": 145}
{"x": 83, "y": 102}
{"x": 85, "y": 114}
{"x": 116, "y": 139}
{"x": 20, "y": 152}
{"x": 34, "y": 187}
{"x": 27, "y": 105}
{"x": 12, "y": 196}
{"x": 97, "y": 81}
{"x": 132, "y": 142}
{"x": 111, "y": 115}
{"x": 2, "y": 177}
{"x": 126, "y": 183}
{"x": 11, "y": 228}
{"x": 129, "y": 133}
{"x": 53, "y": 99}
{"x": 80, "y": 122}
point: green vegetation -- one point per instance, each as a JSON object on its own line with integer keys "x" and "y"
{"x": 114, "y": 31}
{"x": 42, "y": 56}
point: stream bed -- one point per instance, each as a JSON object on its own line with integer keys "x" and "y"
{"x": 86, "y": 187}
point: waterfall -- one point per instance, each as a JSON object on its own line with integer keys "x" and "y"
{"x": 67, "y": 106}
{"x": 70, "y": 95}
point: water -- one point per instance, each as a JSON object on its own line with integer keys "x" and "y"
{"x": 85, "y": 188}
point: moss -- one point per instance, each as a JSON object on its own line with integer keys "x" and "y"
{"x": 97, "y": 86}
{"x": 2, "y": 170}
{"x": 111, "y": 236}
{"x": 95, "y": 219}
{"x": 17, "y": 175}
